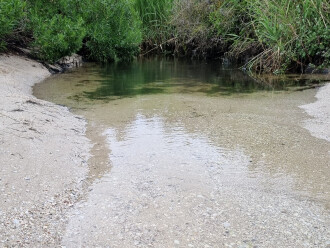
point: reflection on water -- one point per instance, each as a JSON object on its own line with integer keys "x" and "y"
{"x": 155, "y": 76}
{"x": 189, "y": 170}
{"x": 172, "y": 188}
{"x": 161, "y": 76}
{"x": 164, "y": 186}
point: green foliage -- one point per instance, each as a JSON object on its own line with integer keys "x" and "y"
{"x": 56, "y": 29}
{"x": 113, "y": 29}
{"x": 272, "y": 35}
{"x": 194, "y": 32}
{"x": 105, "y": 29}
{"x": 11, "y": 15}
{"x": 155, "y": 16}
{"x": 57, "y": 37}
{"x": 281, "y": 34}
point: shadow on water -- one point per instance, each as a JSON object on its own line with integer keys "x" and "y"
{"x": 155, "y": 76}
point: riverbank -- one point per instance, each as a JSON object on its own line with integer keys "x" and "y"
{"x": 319, "y": 125}
{"x": 43, "y": 154}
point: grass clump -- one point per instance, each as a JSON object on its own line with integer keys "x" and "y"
{"x": 155, "y": 16}
{"x": 113, "y": 29}
{"x": 194, "y": 31}
{"x": 277, "y": 36}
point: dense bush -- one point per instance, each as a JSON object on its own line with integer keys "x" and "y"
{"x": 155, "y": 16}
{"x": 113, "y": 29}
{"x": 11, "y": 16}
{"x": 105, "y": 29}
{"x": 278, "y": 35}
{"x": 57, "y": 37}
{"x": 267, "y": 35}
{"x": 193, "y": 30}
{"x": 57, "y": 29}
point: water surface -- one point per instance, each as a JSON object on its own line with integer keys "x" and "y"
{"x": 156, "y": 76}
{"x": 195, "y": 155}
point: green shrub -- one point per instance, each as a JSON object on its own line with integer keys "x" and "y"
{"x": 56, "y": 27}
{"x": 195, "y": 34}
{"x": 113, "y": 29}
{"x": 106, "y": 29}
{"x": 57, "y": 37}
{"x": 280, "y": 35}
{"x": 11, "y": 15}
{"x": 156, "y": 17}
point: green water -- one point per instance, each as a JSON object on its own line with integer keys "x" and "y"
{"x": 155, "y": 76}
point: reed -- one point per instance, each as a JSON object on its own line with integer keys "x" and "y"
{"x": 265, "y": 35}
{"x": 155, "y": 16}
{"x": 277, "y": 35}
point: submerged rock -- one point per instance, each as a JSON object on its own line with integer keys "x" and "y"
{"x": 72, "y": 61}
{"x": 67, "y": 62}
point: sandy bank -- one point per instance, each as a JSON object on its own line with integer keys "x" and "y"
{"x": 319, "y": 125}
{"x": 42, "y": 158}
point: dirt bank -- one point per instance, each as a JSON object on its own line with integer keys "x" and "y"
{"x": 319, "y": 125}
{"x": 43, "y": 153}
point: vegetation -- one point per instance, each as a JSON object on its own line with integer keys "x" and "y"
{"x": 155, "y": 16}
{"x": 103, "y": 30}
{"x": 113, "y": 29}
{"x": 11, "y": 20}
{"x": 265, "y": 35}
{"x": 278, "y": 35}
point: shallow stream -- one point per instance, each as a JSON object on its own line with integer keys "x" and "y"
{"x": 195, "y": 154}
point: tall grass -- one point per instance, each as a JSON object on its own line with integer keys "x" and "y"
{"x": 155, "y": 16}
{"x": 278, "y": 35}
{"x": 267, "y": 35}
{"x": 193, "y": 29}
{"x": 113, "y": 29}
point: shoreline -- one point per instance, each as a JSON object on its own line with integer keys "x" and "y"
{"x": 43, "y": 154}
{"x": 319, "y": 123}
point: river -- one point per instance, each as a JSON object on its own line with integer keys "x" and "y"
{"x": 195, "y": 154}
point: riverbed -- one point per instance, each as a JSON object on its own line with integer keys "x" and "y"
{"x": 194, "y": 154}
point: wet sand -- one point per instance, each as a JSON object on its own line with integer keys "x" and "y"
{"x": 319, "y": 124}
{"x": 43, "y": 154}
{"x": 190, "y": 170}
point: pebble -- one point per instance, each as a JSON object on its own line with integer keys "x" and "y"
{"x": 177, "y": 242}
{"x": 226, "y": 224}
{"x": 16, "y": 222}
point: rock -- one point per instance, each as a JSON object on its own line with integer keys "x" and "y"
{"x": 226, "y": 224}
{"x": 54, "y": 68}
{"x": 16, "y": 222}
{"x": 72, "y": 61}
{"x": 65, "y": 63}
